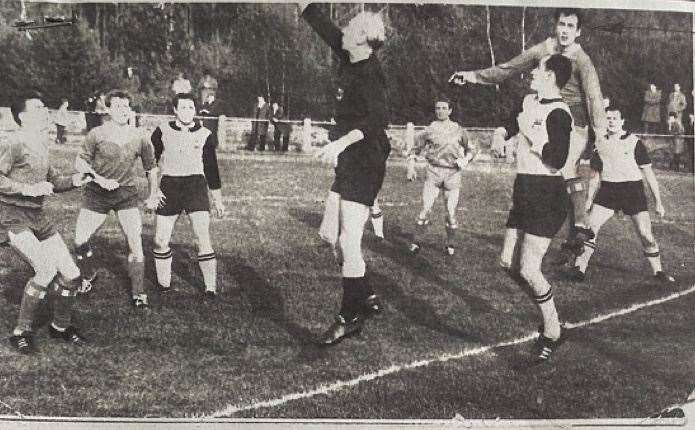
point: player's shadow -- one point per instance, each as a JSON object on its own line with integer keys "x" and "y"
{"x": 265, "y": 300}
{"x": 415, "y": 309}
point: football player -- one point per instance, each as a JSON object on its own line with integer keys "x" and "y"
{"x": 109, "y": 153}
{"x": 623, "y": 162}
{"x": 26, "y": 178}
{"x": 186, "y": 154}
{"x": 448, "y": 150}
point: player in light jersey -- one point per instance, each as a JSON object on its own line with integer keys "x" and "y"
{"x": 623, "y": 162}
{"x": 187, "y": 159}
{"x": 448, "y": 150}
{"x": 539, "y": 200}
{"x": 109, "y": 153}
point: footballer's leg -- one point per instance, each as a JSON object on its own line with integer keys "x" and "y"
{"x": 451, "y": 198}
{"x": 356, "y": 291}
{"x": 377, "y": 218}
{"x": 330, "y": 224}
{"x": 430, "y": 192}
{"x": 26, "y": 243}
{"x": 164, "y": 227}
{"x": 533, "y": 249}
{"x": 643, "y": 226}
{"x": 88, "y": 222}
{"x": 67, "y": 283}
{"x": 598, "y": 216}
{"x": 206, "y": 255}
{"x": 131, "y": 223}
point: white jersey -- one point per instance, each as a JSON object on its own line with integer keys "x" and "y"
{"x": 622, "y": 158}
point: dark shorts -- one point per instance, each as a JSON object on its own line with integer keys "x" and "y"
{"x": 184, "y": 193}
{"x": 628, "y": 197}
{"x": 539, "y": 205}
{"x": 360, "y": 172}
{"x": 99, "y": 200}
{"x": 17, "y": 219}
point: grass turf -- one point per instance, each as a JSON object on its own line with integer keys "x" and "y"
{"x": 280, "y": 288}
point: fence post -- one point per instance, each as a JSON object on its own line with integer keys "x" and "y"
{"x": 306, "y": 134}
{"x": 221, "y": 131}
{"x": 409, "y": 136}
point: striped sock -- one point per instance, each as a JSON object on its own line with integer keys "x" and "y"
{"x": 378, "y": 223}
{"x": 208, "y": 265}
{"x": 654, "y": 258}
{"x": 162, "y": 264}
{"x": 583, "y": 260}
{"x": 32, "y": 297}
{"x": 64, "y": 301}
{"x": 551, "y": 322}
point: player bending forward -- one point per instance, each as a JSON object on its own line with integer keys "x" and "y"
{"x": 187, "y": 158}
{"x": 447, "y": 150}
{"x": 623, "y": 162}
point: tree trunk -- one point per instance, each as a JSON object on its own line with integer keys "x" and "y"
{"x": 489, "y": 39}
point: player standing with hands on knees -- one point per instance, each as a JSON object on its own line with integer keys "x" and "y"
{"x": 448, "y": 150}
{"x": 26, "y": 178}
{"x": 582, "y": 93}
{"x": 109, "y": 153}
{"x": 186, "y": 154}
{"x": 359, "y": 155}
{"x": 623, "y": 162}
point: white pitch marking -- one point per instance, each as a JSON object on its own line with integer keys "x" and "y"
{"x": 340, "y": 385}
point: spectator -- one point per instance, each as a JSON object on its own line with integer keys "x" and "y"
{"x": 95, "y": 110}
{"x": 61, "y": 120}
{"x": 280, "y": 128}
{"x": 651, "y": 114}
{"x": 209, "y": 109}
{"x": 208, "y": 86}
{"x": 181, "y": 84}
{"x": 677, "y": 103}
{"x": 131, "y": 85}
{"x": 675, "y": 129}
{"x": 259, "y": 126}
{"x": 689, "y": 145}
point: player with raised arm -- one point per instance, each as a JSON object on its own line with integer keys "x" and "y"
{"x": 109, "y": 153}
{"x": 26, "y": 178}
{"x": 623, "y": 162}
{"x": 448, "y": 150}
{"x": 186, "y": 154}
{"x": 582, "y": 93}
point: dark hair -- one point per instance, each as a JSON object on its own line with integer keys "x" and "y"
{"x": 561, "y": 66}
{"x": 443, "y": 99}
{"x": 569, "y": 12}
{"x": 206, "y": 71}
{"x": 183, "y": 96}
{"x": 613, "y": 107}
{"x": 673, "y": 114}
{"x": 19, "y": 104}
{"x": 117, "y": 94}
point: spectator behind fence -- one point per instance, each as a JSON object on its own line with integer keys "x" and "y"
{"x": 690, "y": 145}
{"x": 208, "y": 86}
{"x": 181, "y": 85}
{"x": 651, "y": 114}
{"x": 61, "y": 121}
{"x": 209, "y": 109}
{"x": 259, "y": 127}
{"x": 677, "y": 103}
{"x": 131, "y": 85}
{"x": 675, "y": 129}
{"x": 280, "y": 128}
{"x": 95, "y": 110}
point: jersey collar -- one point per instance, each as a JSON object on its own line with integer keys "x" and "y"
{"x": 178, "y": 126}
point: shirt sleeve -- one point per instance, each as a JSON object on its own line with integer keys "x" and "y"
{"x": 210, "y": 167}
{"x": 60, "y": 182}
{"x": 157, "y": 144}
{"x": 147, "y": 154}
{"x": 642, "y": 155}
{"x": 89, "y": 147}
{"x": 596, "y": 162}
{"x": 8, "y": 157}
{"x": 523, "y": 62}
{"x": 325, "y": 28}
{"x": 592, "y": 92}
{"x": 559, "y": 127}
{"x": 467, "y": 144}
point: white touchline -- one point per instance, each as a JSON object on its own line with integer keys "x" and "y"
{"x": 339, "y": 385}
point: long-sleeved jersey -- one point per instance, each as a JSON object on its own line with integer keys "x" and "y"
{"x": 442, "y": 143}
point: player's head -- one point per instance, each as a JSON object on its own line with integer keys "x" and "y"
{"x": 184, "y": 107}
{"x": 568, "y": 25}
{"x": 29, "y": 111}
{"x": 206, "y": 72}
{"x": 364, "y": 30}
{"x": 672, "y": 117}
{"x": 652, "y": 86}
{"x": 442, "y": 108}
{"x": 118, "y": 105}
{"x": 614, "y": 117}
{"x": 552, "y": 72}
{"x": 676, "y": 87}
